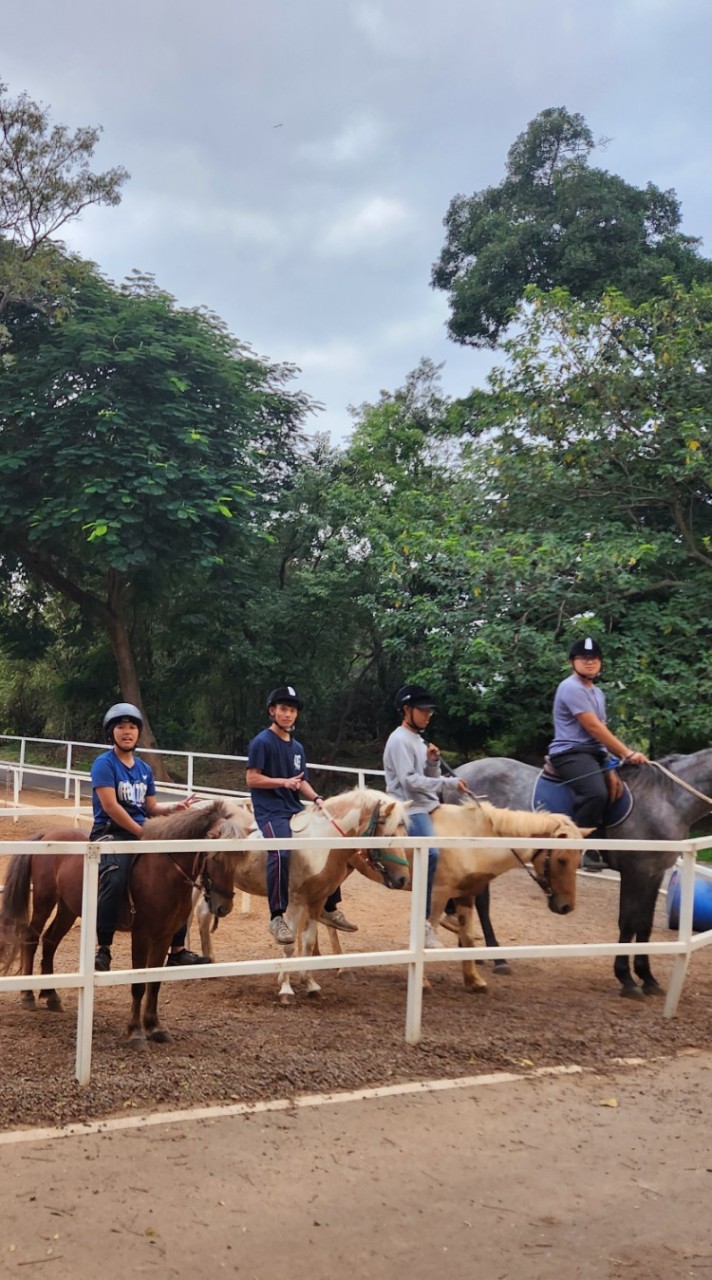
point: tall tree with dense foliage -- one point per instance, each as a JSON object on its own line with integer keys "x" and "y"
{"x": 136, "y": 439}
{"x": 556, "y": 221}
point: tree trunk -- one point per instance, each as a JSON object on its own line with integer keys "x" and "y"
{"x": 128, "y": 676}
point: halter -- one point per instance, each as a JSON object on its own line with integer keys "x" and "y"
{"x": 210, "y": 886}
{"x": 376, "y": 857}
{"x": 198, "y": 871}
{"x": 544, "y": 881}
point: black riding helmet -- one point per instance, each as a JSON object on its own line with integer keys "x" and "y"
{"x": 285, "y": 694}
{"x": 121, "y": 711}
{"x": 585, "y": 648}
{"x": 414, "y": 695}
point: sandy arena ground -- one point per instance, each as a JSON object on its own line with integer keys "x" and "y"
{"x": 232, "y": 1040}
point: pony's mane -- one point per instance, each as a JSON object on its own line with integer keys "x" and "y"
{"x": 187, "y": 824}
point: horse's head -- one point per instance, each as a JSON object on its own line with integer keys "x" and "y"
{"x": 387, "y": 818}
{"x": 555, "y": 870}
{"x": 231, "y": 822}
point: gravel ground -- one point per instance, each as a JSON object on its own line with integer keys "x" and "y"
{"x": 233, "y": 1042}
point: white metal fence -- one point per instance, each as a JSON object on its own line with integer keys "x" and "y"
{"x": 415, "y": 957}
{"x": 17, "y": 761}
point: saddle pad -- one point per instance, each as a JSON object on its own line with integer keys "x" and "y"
{"x": 557, "y": 797}
{"x": 300, "y": 821}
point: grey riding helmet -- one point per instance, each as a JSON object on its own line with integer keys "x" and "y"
{"x": 121, "y": 711}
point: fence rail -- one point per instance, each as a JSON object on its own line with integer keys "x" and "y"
{"x": 414, "y": 957}
{"x": 73, "y": 776}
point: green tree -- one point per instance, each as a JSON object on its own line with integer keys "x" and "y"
{"x": 45, "y": 181}
{"x": 136, "y": 440}
{"x": 557, "y": 222}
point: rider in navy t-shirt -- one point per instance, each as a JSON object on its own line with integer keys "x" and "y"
{"x": 123, "y": 797}
{"x": 277, "y": 777}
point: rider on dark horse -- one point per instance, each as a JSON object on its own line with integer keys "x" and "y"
{"x": 582, "y": 741}
{"x": 123, "y": 797}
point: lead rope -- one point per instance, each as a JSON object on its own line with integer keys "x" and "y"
{"x": 681, "y": 782}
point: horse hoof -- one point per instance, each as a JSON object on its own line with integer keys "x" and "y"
{"x": 136, "y": 1042}
{"x": 29, "y": 1004}
{"x": 286, "y": 999}
{"x": 159, "y": 1036}
{"x": 314, "y": 993}
{"x": 502, "y": 966}
{"x": 55, "y": 1005}
{"x": 652, "y": 989}
{"x": 475, "y": 990}
{"x": 631, "y": 992}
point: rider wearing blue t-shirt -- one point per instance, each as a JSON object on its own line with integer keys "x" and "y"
{"x": 123, "y": 797}
{"x": 277, "y": 776}
{"x": 582, "y": 739}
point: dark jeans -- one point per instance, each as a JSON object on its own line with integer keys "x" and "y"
{"x": 584, "y": 773}
{"x": 278, "y": 870}
{"x": 114, "y": 871}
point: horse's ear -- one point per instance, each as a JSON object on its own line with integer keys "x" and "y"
{"x": 587, "y": 831}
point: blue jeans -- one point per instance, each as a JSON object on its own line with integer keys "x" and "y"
{"x": 421, "y": 824}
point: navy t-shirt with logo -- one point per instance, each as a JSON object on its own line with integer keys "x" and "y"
{"x": 131, "y": 785}
{"x": 276, "y": 759}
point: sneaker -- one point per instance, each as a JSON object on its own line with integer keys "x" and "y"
{"x": 102, "y": 960}
{"x": 432, "y": 941}
{"x": 281, "y": 931}
{"x": 450, "y": 922}
{"x": 186, "y": 957}
{"x": 337, "y": 920}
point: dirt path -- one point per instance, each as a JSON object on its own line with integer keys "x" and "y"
{"x": 574, "y": 1178}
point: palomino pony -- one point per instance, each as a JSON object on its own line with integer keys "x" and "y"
{"x": 314, "y": 874}
{"x": 464, "y": 872}
{"x": 161, "y": 886}
{"x": 663, "y": 809}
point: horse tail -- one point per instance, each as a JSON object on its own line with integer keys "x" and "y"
{"x": 15, "y": 914}
{"x": 16, "y": 898}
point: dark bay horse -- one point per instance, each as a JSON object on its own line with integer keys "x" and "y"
{"x": 161, "y": 887}
{"x": 662, "y": 810}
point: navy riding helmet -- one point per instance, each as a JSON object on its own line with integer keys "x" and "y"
{"x": 414, "y": 695}
{"x": 587, "y": 648}
{"x": 285, "y": 694}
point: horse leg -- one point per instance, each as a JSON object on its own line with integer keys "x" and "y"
{"x": 635, "y": 921}
{"x": 482, "y": 906}
{"x": 60, "y": 926}
{"x": 308, "y": 943}
{"x": 41, "y": 911}
{"x": 641, "y": 964}
{"x": 473, "y": 980}
{"x": 207, "y": 922}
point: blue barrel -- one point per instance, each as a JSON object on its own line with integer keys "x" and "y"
{"x": 702, "y": 900}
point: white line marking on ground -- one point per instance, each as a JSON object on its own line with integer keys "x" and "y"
{"x": 147, "y": 1120}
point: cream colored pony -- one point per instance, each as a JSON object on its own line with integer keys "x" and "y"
{"x": 314, "y": 873}
{"x": 464, "y": 872}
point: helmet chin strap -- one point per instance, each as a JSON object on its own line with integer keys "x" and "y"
{"x": 289, "y": 730}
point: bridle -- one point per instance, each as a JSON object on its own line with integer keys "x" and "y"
{"x": 375, "y": 857}
{"x": 543, "y": 880}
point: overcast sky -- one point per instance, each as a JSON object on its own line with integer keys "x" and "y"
{"x": 292, "y": 160}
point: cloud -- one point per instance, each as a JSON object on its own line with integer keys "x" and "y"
{"x": 360, "y": 138}
{"x": 372, "y": 223}
{"x": 334, "y": 357}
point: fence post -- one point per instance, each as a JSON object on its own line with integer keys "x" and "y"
{"x": 684, "y": 933}
{"x": 414, "y": 1003}
{"x": 189, "y": 776}
{"x": 67, "y": 770}
{"x": 85, "y": 1009}
{"x": 22, "y": 760}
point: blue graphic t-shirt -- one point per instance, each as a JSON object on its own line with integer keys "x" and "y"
{"x": 131, "y": 785}
{"x": 276, "y": 759}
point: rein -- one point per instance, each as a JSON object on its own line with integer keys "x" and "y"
{"x": 374, "y": 856}
{"x": 545, "y": 882}
{"x": 681, "y": 782}
{"x": 198, "y": 868}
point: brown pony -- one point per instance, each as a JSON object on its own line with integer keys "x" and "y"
{"x": 161, "y": 887}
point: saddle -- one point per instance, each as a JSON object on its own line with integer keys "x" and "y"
{"x": 555, "y": 795}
